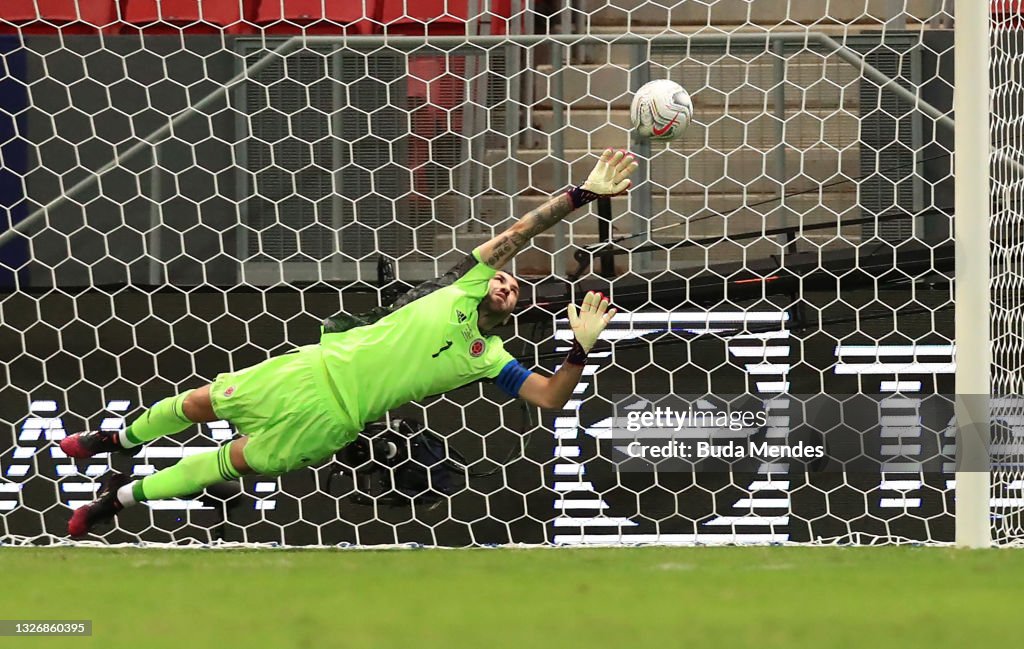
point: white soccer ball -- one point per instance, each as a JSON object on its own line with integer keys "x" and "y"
{"x": 661, "y": 110}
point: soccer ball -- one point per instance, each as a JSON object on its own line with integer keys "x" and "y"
{"x": 661, "y": 110}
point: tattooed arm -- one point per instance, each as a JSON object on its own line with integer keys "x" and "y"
{"x": 498, "y": 251}
{"x": 609, "y": 178}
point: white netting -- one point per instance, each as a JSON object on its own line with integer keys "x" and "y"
{"x": 1007, "y": 53}
{"x": 795, "y": 243}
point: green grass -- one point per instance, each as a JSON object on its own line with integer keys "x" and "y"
{"x": 484, "y": 599}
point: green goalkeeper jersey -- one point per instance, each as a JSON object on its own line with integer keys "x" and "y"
{"x": 429, "y": 346}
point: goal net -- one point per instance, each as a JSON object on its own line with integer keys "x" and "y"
{"x": 1007, "y": 238}
{"x": 180, "y": 198}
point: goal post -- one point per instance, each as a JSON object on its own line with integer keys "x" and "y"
{"x": 972, "y": 232}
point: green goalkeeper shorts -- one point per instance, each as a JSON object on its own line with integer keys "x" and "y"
{"x": 282, "y": 406}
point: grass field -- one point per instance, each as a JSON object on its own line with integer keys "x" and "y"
{"x": 631, "y": 597}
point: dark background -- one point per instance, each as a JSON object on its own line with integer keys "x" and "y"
{"x": 84, "y": 361}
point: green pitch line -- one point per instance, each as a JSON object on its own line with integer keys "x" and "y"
{"x": 724, "y": 598}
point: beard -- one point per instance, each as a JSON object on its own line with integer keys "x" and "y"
{"x": 494, "y": 305}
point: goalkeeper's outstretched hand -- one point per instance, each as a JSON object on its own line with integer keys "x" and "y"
{"x": 610, "y": 176}
{"x": 593, "y": 317}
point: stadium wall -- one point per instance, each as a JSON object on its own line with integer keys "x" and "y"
{"x": 88, "y": 103}
{"x": 175, "y": 219}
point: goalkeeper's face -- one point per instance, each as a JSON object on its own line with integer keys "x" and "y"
{"x": 503, "y": 294}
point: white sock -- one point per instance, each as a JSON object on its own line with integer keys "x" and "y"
{"x": 123, "y": 440}
{"x": 124, "y": 495}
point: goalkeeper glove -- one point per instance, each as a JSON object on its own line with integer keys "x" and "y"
{"x": 610, "y": 177}
{"x": 587, "y": 325}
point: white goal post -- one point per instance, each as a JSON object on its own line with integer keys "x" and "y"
{"x": 972, "y": 105}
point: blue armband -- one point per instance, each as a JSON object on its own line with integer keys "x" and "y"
{"x": 512, "y": 377}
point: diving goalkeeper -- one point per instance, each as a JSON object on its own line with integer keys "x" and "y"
{"x": 298, "y": 409}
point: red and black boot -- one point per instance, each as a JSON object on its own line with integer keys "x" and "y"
{"x": 83, "y": 445}
{"x": 101, "y": 510}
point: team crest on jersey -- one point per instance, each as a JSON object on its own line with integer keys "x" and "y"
{"x": 229, "y": 391}
{"x": 477, "y": 347}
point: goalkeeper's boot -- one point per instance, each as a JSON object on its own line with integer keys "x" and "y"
{"x": 82, "y": 445}
{"x": 100, "y": 510}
